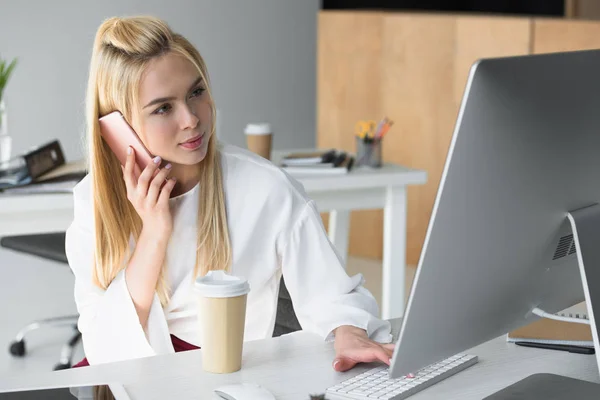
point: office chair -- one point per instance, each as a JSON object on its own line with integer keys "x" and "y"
{"x": 285, "y": 320}
{"x": 49, "y": 246}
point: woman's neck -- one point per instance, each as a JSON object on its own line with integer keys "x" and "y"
{"x": 187, "y": 177}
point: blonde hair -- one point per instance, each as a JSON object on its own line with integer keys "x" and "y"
{"x": 123, "y": 48}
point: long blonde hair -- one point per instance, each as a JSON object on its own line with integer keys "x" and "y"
{"x": 122, "y": 50}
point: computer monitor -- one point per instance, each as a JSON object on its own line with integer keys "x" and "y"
{"x": 522, "y": 168}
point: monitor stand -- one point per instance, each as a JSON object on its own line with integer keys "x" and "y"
{"x": 585, "y": 225}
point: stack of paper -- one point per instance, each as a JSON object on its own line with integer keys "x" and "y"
{"x": 61, "y": 179}
{"x": 557, "y": 332}
{"x": 329, "y": 162}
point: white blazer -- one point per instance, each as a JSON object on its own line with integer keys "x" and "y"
{"x": 274, "y": 229}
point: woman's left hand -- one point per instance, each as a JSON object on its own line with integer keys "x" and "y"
{"x": 353, "y": 346}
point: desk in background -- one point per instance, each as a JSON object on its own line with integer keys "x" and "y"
{"x": 361, "y": 189}
{"x": 35, "y": 213}
{"x": 296, "y": 365}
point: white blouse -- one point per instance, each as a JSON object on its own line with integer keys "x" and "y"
{"x": 274, "y": 229}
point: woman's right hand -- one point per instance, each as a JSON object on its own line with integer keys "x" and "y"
{"x": 149, "y": 194}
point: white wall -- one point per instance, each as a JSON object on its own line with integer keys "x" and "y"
{"x": 260, "y": 54}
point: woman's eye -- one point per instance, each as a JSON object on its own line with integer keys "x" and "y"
{"x": 165, "y": 108}
{"x": 198, "y": 92}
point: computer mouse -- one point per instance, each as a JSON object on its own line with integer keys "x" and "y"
{"x": 244, "y": 391}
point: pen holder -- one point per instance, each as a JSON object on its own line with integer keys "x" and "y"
{"x": 368, "y": 152}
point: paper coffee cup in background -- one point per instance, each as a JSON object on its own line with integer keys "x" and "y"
{"x": 221, "y": 300}
{"x": 259, "y": 138}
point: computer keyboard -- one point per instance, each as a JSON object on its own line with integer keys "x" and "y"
{"x": 375, "y": 383}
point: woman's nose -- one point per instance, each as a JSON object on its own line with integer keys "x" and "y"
{"x": 189, "y": 119}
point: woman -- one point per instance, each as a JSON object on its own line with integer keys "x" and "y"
{"x": 137, "y": 243}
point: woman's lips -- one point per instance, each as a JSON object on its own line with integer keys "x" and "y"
{"x": 193, "y": 143}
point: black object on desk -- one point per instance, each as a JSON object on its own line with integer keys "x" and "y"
{"x": 44, "y": 159}
{"x": 548, "y": 387}
{"x": 339, "y": 159}
{"x": 562, "y": 347}
{"x": 29, "y": 167}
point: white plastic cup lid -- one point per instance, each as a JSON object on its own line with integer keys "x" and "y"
{"x": 258, "y": 129}
{"x": 220, "y": 284}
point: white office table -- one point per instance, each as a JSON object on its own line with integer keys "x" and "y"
{"x": 35, "y": 213}
{"x": 361, "y": 189}
{"x": 299, "y": 364}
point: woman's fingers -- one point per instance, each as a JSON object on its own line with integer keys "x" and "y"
{"x": 146, "y": 177}
{"x": 371, "y": 354}
{"x": 157, "y": 183}
{"x": 390, "y": 353}
{"x": 343, "y": 364}
{"x": 128, "y": 170}
{"x": 389, "y": 348}
{"x": 165, "y": 193}
{"x": 383, "y": 356}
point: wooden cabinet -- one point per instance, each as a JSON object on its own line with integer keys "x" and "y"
{"x": 413, "y": 68}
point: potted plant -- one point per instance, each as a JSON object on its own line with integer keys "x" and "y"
{"x": 5, "y": 71}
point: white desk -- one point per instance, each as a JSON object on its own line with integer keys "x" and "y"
{"x": 361, "y": 189}
{"x": 35, "y": 213}
{"x": 296, "y": 365}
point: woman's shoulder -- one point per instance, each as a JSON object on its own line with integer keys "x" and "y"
{"x": 240, "y": 164}
{"x": 83, "y": 202}
{"x": 242, "y": 168}
{"x": 239, "y": 156}
{"x": 82, "y": 192}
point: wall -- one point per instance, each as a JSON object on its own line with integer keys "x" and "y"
{"x": 260, "y": 54}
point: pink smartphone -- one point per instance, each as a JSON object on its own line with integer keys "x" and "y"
{"x": 118, "y": 134}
